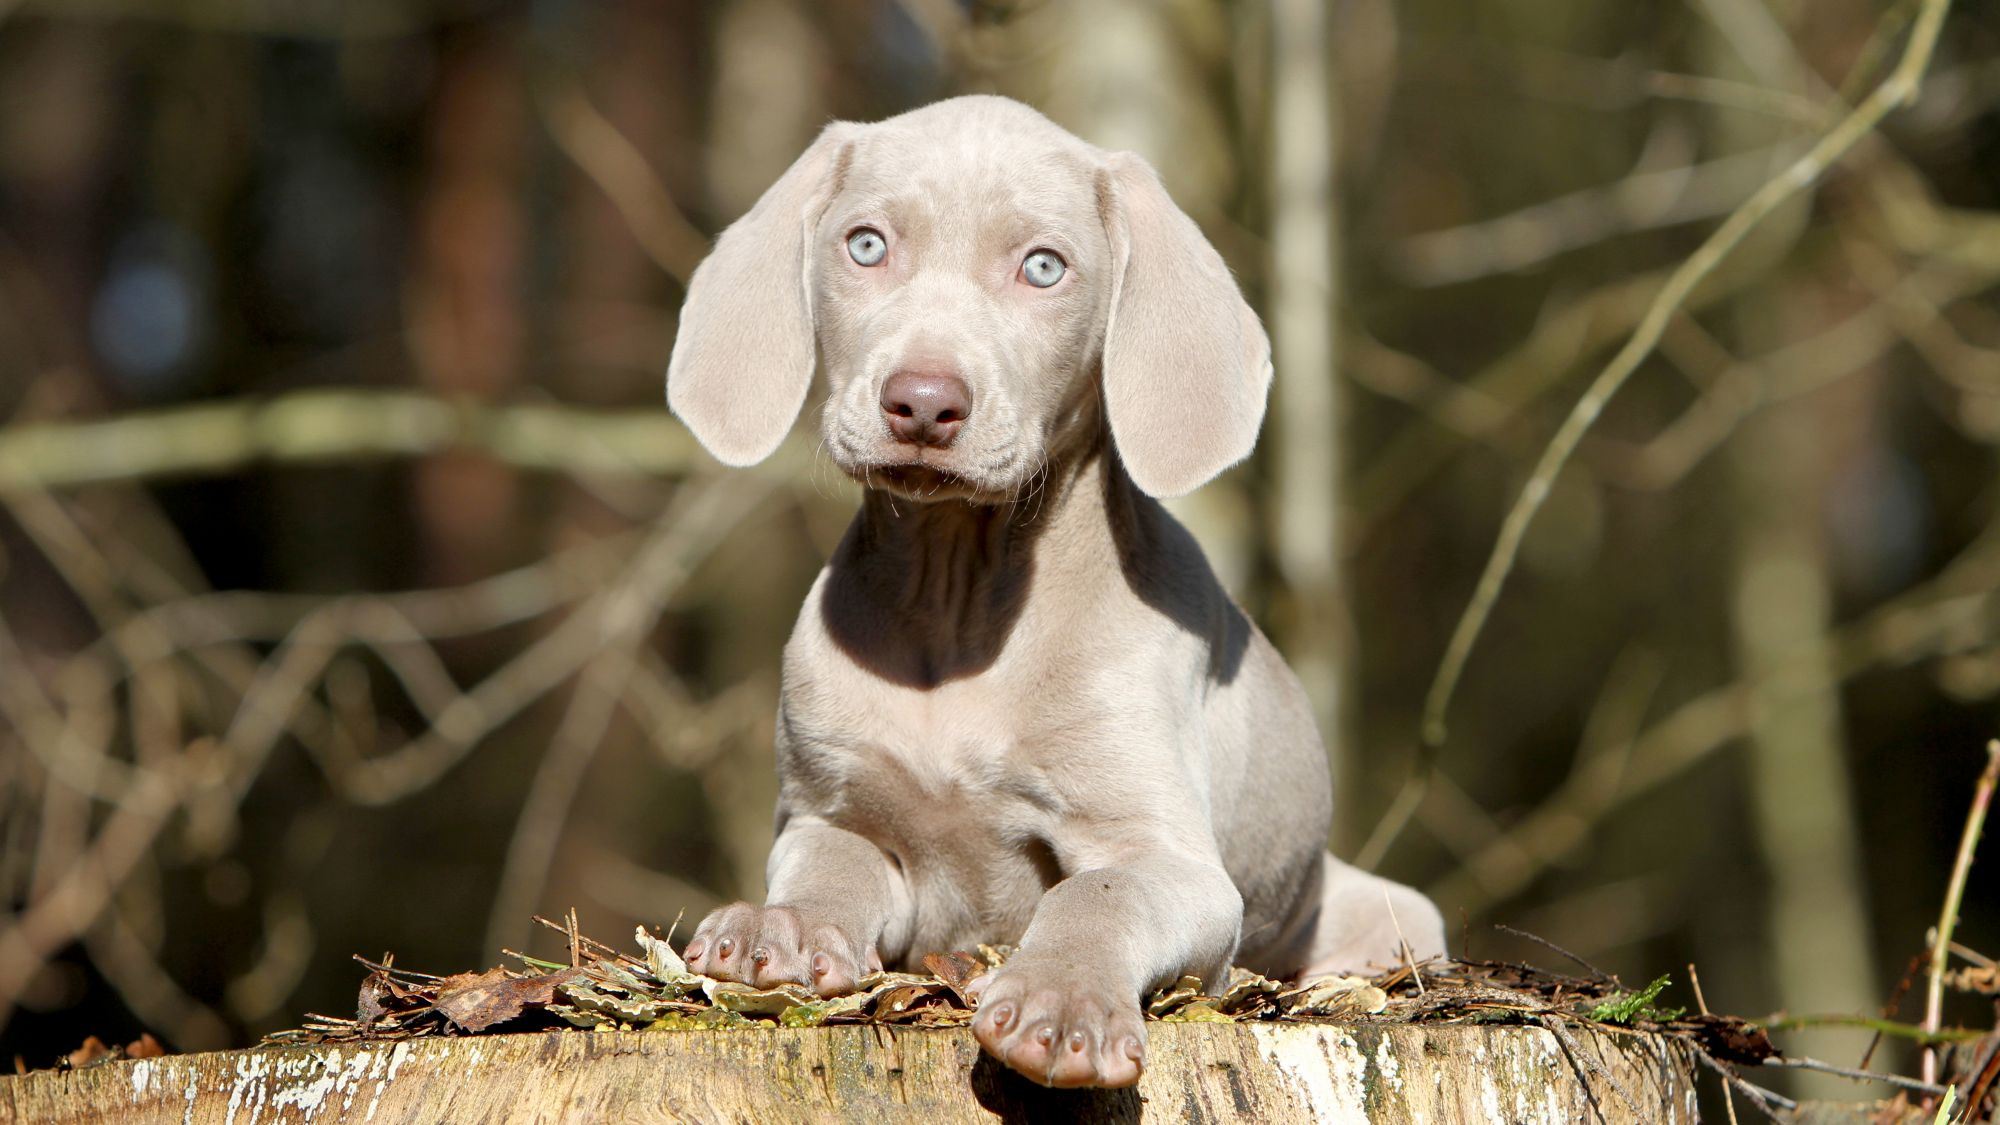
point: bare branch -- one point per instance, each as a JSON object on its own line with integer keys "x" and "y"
{"x": 1898, "y": 90}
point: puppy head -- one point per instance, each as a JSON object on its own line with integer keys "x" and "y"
{"x": 973, "y": 281}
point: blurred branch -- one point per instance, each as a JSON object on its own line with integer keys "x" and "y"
{"x": 1647, "y": 199}
{"x": 1898, "y": 90}
{"x": 1571, "y": 330}
{"x": 621, "y": 171}
{"x": 317, "y": 427}
{"x": 80, "y": 893}
{"x": 620, "y": 619}
{"x": 1956, "y": 611}
{"x": 1739, "y": 388}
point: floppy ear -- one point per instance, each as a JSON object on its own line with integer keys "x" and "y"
{"x": 744, "y": 356}
{"x": 1186, "y": 362}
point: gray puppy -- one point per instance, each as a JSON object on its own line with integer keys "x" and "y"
{"x": 1017, "y": 706}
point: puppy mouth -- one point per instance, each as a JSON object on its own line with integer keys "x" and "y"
{"x": 916, "y": 480}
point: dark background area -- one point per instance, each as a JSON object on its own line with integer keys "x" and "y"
{"x": 431, "y": 618}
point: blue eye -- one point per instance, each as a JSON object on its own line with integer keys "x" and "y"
{"x": 866, "y": 246}
{"x": 1043, "y": 268}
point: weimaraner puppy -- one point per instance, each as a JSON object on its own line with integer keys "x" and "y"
{"x": 1017, "y": 706}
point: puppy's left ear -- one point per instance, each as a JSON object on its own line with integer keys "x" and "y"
{"x": 744, "y": 356}
{"x": 1186, "y": 363}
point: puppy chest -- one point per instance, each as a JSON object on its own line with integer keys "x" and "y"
{"x": 963, "y": 816}
{"x": 974, "y": 857}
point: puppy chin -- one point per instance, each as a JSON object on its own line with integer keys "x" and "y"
{"x": 923, "y": 483}
{"x": 920, "y": 481}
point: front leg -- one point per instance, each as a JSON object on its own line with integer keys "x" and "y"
{"x": 1064, "y": 1009}
{"x": 835, "y": 900}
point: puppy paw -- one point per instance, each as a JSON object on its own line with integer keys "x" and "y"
{"x": 1061, "y": 1027}
{"x": 766, "y": 946}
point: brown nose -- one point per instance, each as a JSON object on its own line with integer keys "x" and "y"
{"x": 926, "y": 407}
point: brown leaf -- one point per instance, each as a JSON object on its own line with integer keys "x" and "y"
{"x": 93, "y": 1050}
{"x": 905, "y": 1001}
{"x": 144, "y": 1047}
{"x": 374, "y": 990}
{"x": 1976, "y": 978}
{"x": 1731, "y": 1039}
{"x": 956, "y": 970}
{"x": 477, "y": 1001}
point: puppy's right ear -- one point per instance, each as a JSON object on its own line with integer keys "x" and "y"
{"x": 744, "y": 356}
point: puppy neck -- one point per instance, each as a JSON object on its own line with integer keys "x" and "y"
{"x": 927, "y": 592}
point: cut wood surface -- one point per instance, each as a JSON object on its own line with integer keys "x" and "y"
{"x": 1197, "y": 1072}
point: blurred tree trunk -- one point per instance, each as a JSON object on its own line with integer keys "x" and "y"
{"x": 1306, "y": 418}
{"x": 1818, "y": 953}
{"x": 467, "y": 327}
{"x": 1818, "y": 956}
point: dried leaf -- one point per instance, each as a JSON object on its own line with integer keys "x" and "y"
{"x": 750, "y": 1001}
{"x": 612, "y": 974}
{"x": 880, "y": 979}
{"x": 942, "y": 1015}
{"x": 631, "y": 1009}
{"x": 144, "y": 1047}
{"x": 477, "y": 1001}
{"x": 818, "y": 1012}
{"x": 580, "y": 1017}
{"x": 1338, "y": 998}
{"x": 1976, "y": 978}
{"x": 1248, "y": 993}
{"x": 1184, "y": 992}
{"x": 903, "y": 1000}
{"x": 91, "y": 1051}
{"x": 703, "y": 1019}
{"x": 956, "y": 970}
{"x": 1201, "y": 1011}
{"x": 667, "y": 966}
{"x": 374, "y": 990}
{"x": 1731, "y": 1039}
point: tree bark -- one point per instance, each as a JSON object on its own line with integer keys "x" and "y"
{"x": 1196, "y": 1072}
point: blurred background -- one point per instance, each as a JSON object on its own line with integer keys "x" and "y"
{"x": 357, "y": 593}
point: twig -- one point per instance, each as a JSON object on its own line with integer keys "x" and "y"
{"x": 1600, "y": 974}
{"x": 1403, "y": 944}
{"x": 1898, "y": 90}
{"x": 1975, "y": 820}
{"x": 1728, "y": 1095}
{"x": 1800, "y": 1062}
{"x": 1766, "y": 1100}
{"x": 1892, "y": 1028}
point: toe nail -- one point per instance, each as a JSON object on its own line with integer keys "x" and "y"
{"x": 1045, "y": 1035}
{"x": 694, "y": 952}
{"x": 761, "y": 956}
{"x": 727, "y": 947}
{"x": 822, "y": 964}
{"x": 1003, "y": 1017}
{"x": 1077, "y": 1041}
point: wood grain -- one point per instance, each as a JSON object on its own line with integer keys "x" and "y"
{"x": 1196, "y": 1073}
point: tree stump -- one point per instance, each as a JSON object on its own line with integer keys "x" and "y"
{"x": 1196, "y": 1072}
